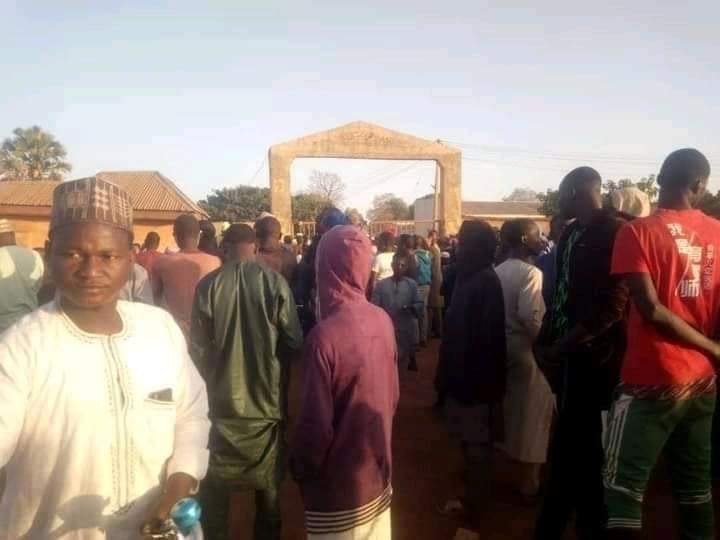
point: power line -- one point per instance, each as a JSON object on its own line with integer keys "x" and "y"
{"x": 378, "y": 179}
{"x": 257, "y": 172}
{"x": 628, "y": 159}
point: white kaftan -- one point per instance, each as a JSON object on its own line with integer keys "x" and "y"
{"x": 90, "y": 425}
{"x": 529, "y": 401}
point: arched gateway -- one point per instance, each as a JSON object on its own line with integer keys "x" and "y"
{"x": 361, "y": 140}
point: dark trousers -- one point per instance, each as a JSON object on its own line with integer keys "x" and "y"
{"x": 716, "y": 438}
{"x": 215, "y": 498}
{"x": 575, "y": 483}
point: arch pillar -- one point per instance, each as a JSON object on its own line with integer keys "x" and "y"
{"x": 280, "y": 197}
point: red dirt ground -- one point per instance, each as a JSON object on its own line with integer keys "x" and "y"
{"x": 428, "y": 470}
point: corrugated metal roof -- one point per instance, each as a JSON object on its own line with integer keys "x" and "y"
{"x": 149, "y": 190}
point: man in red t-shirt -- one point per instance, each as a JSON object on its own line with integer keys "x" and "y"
{"x": 666, "y": 398}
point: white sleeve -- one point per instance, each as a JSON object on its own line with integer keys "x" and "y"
{"x": 38, "y": 273}
{"x": 531, "y": 306}
{"x": 376, "y": 264}
{"x": 192, "y": 426}
{"x": 15, "y": 384}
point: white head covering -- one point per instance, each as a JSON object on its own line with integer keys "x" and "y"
{"x": 631, "y": 201}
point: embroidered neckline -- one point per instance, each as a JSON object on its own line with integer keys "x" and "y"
{"x": 87, "y": 336}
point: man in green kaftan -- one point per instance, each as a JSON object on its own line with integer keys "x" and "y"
{"x": 245, "y": 330}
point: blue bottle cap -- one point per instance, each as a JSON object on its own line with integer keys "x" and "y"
{"x": 185, "y": 514}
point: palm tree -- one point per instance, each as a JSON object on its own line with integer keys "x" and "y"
{"x": 33, "y": 154}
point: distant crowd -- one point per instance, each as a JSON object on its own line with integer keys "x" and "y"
{"x": 131, "y": 379}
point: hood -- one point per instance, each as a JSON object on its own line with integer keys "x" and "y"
{"x": 343, "y": 263}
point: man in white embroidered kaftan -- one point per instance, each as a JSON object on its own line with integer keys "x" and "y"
{"x": 103, "y": 417}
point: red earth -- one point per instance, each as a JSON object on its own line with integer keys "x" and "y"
{"x": 428, "y": 469}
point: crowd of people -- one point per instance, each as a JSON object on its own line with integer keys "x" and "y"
{"x": 131, "y": 378}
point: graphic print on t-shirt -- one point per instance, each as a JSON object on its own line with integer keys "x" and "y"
{"x": 696, "y": 269}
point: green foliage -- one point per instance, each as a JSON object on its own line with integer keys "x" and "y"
{"x": 307, "y": 206}
{"x": 246, "y": 203}
{"x": 241, "y": 203}
{"x": 388, "y": 207}
{"x": 710, "y": 204}
{"x": 549, "y": 202}
{"x": 647, "y": 185}
{"x": 33, "y": 154}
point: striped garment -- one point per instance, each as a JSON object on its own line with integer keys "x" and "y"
{"x": 676, "y": 392}
{"x": 333, "y": 523}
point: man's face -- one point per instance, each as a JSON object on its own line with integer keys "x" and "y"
{"x": 90, "y": 263}
{"x": 533, "y": 240}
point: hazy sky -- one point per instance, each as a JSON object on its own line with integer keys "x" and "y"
{"x": 528, "y": 89}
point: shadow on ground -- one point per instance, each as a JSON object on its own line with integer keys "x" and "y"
{"x": 428, "y": 469}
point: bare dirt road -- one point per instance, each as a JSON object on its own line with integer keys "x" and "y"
{"x": 428, "y": 469}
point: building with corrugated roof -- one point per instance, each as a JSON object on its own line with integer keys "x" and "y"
{"x": 494, "y": 212}
{"x": 157, "y": 201}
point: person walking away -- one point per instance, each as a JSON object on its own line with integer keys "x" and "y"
{"x": 342, "y": 448}
{"x": 436, "y": 301}
{"x": 580, "y": 349}
{"x": 400, "y": 298}
{"x": 137, "y": 288}
{"x": 103, "y": 424}
{"x": 529, "y": 402}
{"x": 382, "y": 261}
{"x": 149, "y": 253}
{"x": 547, "y": 261}
{"x": 21, "y": 276}
{"x": 423, "y": 260}
{"x": 473, "y": 349}
{"x": 666, "y": 398}
{"x": 406, "y": 246}
{"x": 270, "y": 251}
{"x": 176, "y": 276}
{"x": 305, "y": 289}
{"x": 238, "y": 243}
{"x": 208, "y": 239}
{"x": 245, "y": 332}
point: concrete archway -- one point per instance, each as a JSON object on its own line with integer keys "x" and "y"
{"x": 361, "y": 140}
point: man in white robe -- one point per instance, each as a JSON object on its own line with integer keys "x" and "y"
{"x": 103, "y": 422}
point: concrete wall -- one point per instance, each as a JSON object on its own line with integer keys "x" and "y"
{"x": 32, "y": 232}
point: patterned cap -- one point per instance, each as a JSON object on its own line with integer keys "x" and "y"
{"x": 91, "y": 200}
{"x": 6, "y": 226}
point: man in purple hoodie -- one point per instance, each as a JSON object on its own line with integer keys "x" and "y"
{"x": 342, "y": 451}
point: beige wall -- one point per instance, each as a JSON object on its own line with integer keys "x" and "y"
{"x": 33, "y": 231}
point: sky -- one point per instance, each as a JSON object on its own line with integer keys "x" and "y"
{"x": 527, "y": 90}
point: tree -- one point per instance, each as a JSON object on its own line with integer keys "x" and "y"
{"x": 647, "y": 185}
{"x": 241, "y": 203}
{"x": 549, "y": 202}
{"x": 522, "y": 195}
{"x": 33, "y": 154}
{"x": 354, "y": 216}
{"x": 328, "y": 186}
{"x": 388, "y": 207}
{"x": 710, "y": 204}
{"x": 549, "y": 199}
{"x": 307, "y": 206}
